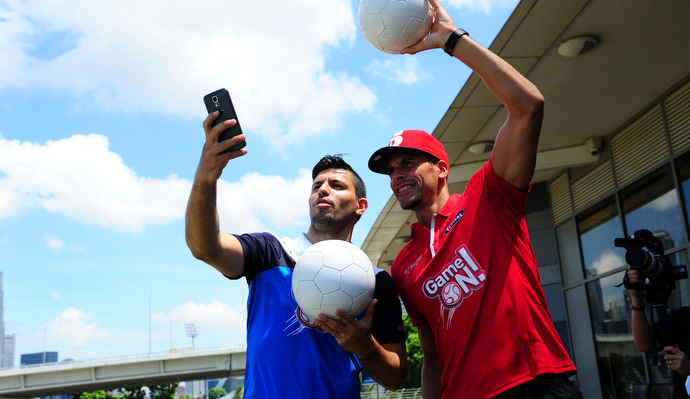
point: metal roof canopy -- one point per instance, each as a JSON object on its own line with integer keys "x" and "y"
{"x": 644, "y": 48}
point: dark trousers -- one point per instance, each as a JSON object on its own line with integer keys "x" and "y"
{"x": 545, "y": 386}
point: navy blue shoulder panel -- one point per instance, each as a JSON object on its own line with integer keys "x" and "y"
{"x": 262, "y": 251}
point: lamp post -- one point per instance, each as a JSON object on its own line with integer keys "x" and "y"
{"x": 191, "y": 332}
{"x": 150, "y": 292}
{"x": 45, "y": 333}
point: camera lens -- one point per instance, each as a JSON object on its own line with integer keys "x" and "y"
{"x": 637, "y": 258}
{"x": 644, "y": 262}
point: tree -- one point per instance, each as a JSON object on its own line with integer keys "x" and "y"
{"x": 164, "y": 391}
{"x": 132, "y": 393}
{"x": 216, "y": 393}
{"x": 413, "y": 379}
{"x": 161, "y": 391}
{"x": 101, "y": 394}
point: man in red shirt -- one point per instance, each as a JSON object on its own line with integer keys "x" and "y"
{"x": 468, "y": 275}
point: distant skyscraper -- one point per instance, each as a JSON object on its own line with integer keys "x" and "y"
{"x": 28, "y": 359}
{"x": 7, "y": 360}
{"x": 6, "y": 340}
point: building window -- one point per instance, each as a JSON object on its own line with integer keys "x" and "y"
{"x": 598, "y": 227}
{"x": 652, "y": 204}
{"x": 620, "y": 364}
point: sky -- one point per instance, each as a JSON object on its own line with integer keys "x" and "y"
{"x": 100, "y": 135}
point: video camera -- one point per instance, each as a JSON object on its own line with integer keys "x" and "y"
{"x": 660, "y": 276}
{"x": 651, "y": 263}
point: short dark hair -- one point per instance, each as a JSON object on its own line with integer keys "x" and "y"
{"x": 337, "y": 162}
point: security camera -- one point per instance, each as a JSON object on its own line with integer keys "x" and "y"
{"x": 594, "y": 144}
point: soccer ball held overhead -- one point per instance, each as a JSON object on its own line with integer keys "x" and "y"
{"x": 392, "y": 25}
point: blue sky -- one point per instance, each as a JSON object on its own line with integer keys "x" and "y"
{"x": 100, "y": 134}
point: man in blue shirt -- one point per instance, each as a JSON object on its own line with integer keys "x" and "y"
{"x": 284, "y": 357}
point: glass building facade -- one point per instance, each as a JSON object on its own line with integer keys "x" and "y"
{"x": 641, "y": 182}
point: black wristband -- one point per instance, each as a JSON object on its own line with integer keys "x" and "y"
{"x": 638, "y": 308}
{"x": 453, "y": 40}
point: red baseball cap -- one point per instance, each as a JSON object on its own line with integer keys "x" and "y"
{"x": 412, "y": 139}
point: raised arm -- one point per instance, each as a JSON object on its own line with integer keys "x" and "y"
{"x": 515, "y": 148}
{"x": 642, "y": 334}
{"x": 202, "y": 229}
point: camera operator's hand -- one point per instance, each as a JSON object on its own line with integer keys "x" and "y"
{"x": 634, "y": 283}
{"x": 677, "y": 360}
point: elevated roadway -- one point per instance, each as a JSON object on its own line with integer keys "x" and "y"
{"x": 108, "y": 374}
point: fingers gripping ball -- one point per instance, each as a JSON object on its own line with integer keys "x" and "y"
{"x": 392, "y": 25}
{"x": 331, "y": 275}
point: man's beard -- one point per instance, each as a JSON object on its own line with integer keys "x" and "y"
{"x": 327, "y": 221}
{"x": 411, "y": 203}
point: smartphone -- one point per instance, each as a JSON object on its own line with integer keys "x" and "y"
{"x": 219, "y": 100}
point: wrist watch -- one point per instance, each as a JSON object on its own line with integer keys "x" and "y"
{"x": 453, "y": 40}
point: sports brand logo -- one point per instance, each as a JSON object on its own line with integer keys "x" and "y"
{"x": 396, "y": 140}
{"x": 455, "y": 220}
{"x": 306, "y": 320}
{"x": 457, "y": 281}
{"x": 409, "y": 268}
{"x": 299, "y": 321}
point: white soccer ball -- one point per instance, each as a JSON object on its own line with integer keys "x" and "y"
{"x": 392, "y": 25}
{"x": 331, "y": 275}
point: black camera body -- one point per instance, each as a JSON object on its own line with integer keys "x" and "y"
{"x": 645, "y": 253}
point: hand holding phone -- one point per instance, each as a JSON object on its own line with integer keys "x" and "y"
{"x": 220, "y": 101}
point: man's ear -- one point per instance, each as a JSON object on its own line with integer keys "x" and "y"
{"x": 443, "y": 169}
{"x": 362, "y": 205}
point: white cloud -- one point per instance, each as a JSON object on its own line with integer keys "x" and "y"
{"x": 55, "y": 294}
{"x": 406, "y": 70}
{"x": 665, "y": 202}
{"x": 53, "y": 243}
{"x": 131, "y": 55}
{"x": 72, "y": 327}
{"x": 215, "y": 313}
{"x": 244, "y": 204}
{"x": 608, "y": 261}
{"x": 79, "y": 177}
{"x": 485, "y": 6}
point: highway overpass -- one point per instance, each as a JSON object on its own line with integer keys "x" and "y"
{"x": 68, "y": 378}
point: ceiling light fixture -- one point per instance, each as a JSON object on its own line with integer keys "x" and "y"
{"x": 481, "y": 147}
{"x": 577, "y": 45}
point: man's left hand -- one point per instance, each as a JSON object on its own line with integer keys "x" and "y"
{"x": 352, "y": 334}
{"x": 677, "y": 360}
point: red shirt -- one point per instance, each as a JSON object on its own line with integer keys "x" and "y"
{"x": 474, "y": 280}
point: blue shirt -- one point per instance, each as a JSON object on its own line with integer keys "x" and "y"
{"x": 284, "y": 358}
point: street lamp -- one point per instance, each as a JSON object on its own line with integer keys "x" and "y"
{"x": 191, "y": 332}
{"x": 45, "y": 333}
{"x": 150, "y": 292}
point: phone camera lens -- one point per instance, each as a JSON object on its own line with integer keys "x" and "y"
{"x": 215, "y": 100}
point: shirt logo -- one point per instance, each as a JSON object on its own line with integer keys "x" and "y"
{"x": 457, "y": 281}
{"x": 396, "y": 140}
{"x": 456, "y": 220}
{"x": 409, "y": 268}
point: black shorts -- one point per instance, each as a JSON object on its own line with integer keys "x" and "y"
{"x": 545, "y": 386}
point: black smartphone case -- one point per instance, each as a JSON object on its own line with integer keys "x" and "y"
{"x": 219, "y": 100}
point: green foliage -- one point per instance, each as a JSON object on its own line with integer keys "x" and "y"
{"x": 413, "y": 379}
{"x": 238, "y": 393}
{"x": 95, "y": 395}
{"x": 164, "y": 391}
{"x": 132, "y": 393}
{"x": 216, "y": 393}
